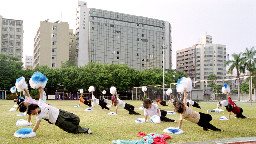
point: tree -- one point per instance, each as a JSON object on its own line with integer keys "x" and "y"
{"x": 212, "y": 78}
{"x": 238, "y": 64}
{"x": 10, "y": 70}
{"x": 250, "y": 64}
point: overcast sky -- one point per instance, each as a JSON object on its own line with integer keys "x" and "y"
{"x": 230, "y": 22}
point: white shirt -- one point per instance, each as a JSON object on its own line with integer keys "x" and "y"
{"x": 95, "y": 101}
{"x": 47, "y": 112}
{"x": 120, "y": 103}
{"x": 152, "y": 111}
{"x": 190, "y": 115}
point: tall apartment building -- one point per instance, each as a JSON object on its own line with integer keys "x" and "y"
{"x": 72, "y": 47}
{"x": 208, "y": 59}
{"x": 110, "y": 37}
{"x": 186, "y": 61}
{"x": 28, "y": 62}
{"x": 11, "y": 37}
{"x": 51, "y": 44}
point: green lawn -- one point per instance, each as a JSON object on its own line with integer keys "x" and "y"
{"x": 106, "y": 127}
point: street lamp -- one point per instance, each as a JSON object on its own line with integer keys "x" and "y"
{"x": 163, "y": 69}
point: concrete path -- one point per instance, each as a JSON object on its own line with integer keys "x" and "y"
{"x": 242, "y": 140}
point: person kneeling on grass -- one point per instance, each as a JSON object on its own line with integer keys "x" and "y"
{"x": 67, "y": 121}
{"x": 152, "y": 109}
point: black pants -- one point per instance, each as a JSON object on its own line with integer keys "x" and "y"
{"x": 130, "y": 108}
{"x": 103, "y": 104}
{"x": 89, "y": 103}
{"x": 69, "y": 122}
{"x": 205, "y": 122}
{"x": 196, "y": 105}
{"x": 240, "y": 115}
{"x": 163, "y": 103}
{"x": 164, "y": 118}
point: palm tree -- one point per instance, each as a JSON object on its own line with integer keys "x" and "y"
{"x": 250, "y": 63}
{"x": 238, "y": 64}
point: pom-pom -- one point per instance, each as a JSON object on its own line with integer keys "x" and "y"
{"x": 88, "y": 109}
{"x": 22, "y": 114}
{"x": 140, "y": 120}
{"x": 112, "y": 113}
{"x": 25, "y": 133}
{"x": 225, "y": 89}
{"x": 76, "y": 106}
{"x": 223, "y": 118}
{"x": 191, "y": 102}
{"x": 12, "y": 109}
{"x": 104, "y": 92}
{"x": 113, "y": 90}
{"x": 155, "y": 119}
{"x": 13, "y": 89}
{"x": 220, "y": 110}
{"x": 173, "y": 130}
{"x": 21, "y": 84}
{"x": 224, "y": 103}
{"x": 22, "y": 122}
{"x": 144, "y": 88}
{"x": 81, "y": 90}
{"x": 170, "y": 112}
{"x": 184, "y": 84}
{"x": 91, "y": 89}
{"x": 38, "y": 80}
{"x": 169, "y": 91}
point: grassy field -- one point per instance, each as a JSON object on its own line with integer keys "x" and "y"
{"x": 106, "y": 127}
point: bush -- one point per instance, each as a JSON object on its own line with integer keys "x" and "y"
{"x": 11, "y": 96}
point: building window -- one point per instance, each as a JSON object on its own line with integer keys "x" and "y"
{"x": 54, "y": 42}
{"x": 54, "y": 27}
{"x": 54, "y": 49}
{"x": 111, "y": 25}
{"x": 70, "y": 46}
{"x": 53, "y": 64}
{"x": 117, "y": 57}
{"x": 117, "y": 52}
{"x": 92, "y": 28}
{"x": 70, "y": 52}
{"x": 18, "y": 29}
{"x": 53, "y": 57}
{"x": 17, "y": 43}
{"x": 54, "y": 35}
{"x": 18, "y": 36}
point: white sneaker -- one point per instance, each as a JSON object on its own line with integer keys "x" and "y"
{"x": 89, "y": 131}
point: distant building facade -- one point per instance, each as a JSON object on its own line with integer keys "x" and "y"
{"x": 11, "y": 37}
{"x": 186, "y": 61}
{"x": 110, "y": 37}
{"x": 52, "y": 44}
{"x": 208, "y": 59}
{"x": 28, "y": 62}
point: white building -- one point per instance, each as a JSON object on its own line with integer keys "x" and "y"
{"x": 110, "y": 37}
{"x": 11, "y": 37}
{"x": 28, "y": 62}
{"x": 210, "y": 59}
